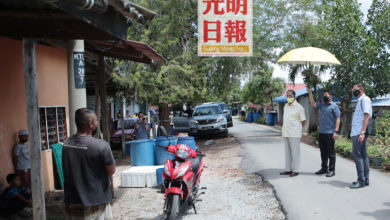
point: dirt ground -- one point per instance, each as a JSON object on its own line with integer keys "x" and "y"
{"x": 230, "y": 193}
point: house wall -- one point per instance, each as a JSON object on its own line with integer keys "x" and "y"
{"x": 304, "y": 101}
{"x": 53, "y": 90}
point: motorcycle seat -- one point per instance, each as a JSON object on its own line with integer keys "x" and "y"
{"x": 195, "y": 163}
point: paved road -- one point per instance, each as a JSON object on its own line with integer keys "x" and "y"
{"x": 308, "y": 196}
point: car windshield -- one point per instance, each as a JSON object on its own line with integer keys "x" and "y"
{"x": 223, "y": 106}
{"x": 129, "y": 124}
{"x": 209, "y": 110}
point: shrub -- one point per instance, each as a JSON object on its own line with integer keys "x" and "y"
{"x": 316, "y": 135}
{"x": 343, "y": 145}
{"x": 262, "y": 120}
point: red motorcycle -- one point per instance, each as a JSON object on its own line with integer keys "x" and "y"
{"x": 181, "y": 178}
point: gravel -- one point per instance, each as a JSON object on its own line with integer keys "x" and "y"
{"x": 230, "y": 194}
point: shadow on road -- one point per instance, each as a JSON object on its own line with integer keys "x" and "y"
{"x": 274, "y": 173}
{"x": 336, "y": 183}
{"x": 381, "y": 214}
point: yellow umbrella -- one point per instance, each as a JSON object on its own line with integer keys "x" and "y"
{"x": 309, "y": 56}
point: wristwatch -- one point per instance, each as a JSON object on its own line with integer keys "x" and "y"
{"x": 363, "y": 132}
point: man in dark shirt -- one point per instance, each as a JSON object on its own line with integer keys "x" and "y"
{"x": 329, "y": 126}
{"x": 87, "y": 165}
{"x": 141, "y": 127}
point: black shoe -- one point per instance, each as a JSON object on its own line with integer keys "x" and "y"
{"x": 367, "y": 183}
{"x": 321, "y": 171}
{"x": 330, "y": 174}
{"x": 356, "y": 185}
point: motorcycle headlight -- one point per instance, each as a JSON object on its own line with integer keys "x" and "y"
{"x": 183, "y": 170}
{"x": 166, "y": 170}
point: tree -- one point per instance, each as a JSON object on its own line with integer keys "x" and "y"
{"x": 263, "y": 88}
{"x": 360, "y": 48}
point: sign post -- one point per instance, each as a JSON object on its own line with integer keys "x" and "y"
{"x": 225, "y": 27}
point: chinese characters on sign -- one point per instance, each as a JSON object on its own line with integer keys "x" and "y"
{"x": 225, "y": 28}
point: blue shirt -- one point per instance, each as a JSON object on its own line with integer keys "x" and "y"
{"x": 141, "y": 132}
{"x": 329, "y": 113}
{"x": 363, "y": 105}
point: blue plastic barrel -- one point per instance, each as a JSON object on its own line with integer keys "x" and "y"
{"x": 159, "y": 173}
{"x": 142, "y": 152}
{"x": 127, "y": 148}
{"x": 249, "y": 117}
{"x": 256, "y": 116}
{"x": 275, "y": 116}
{"x": 189, "y": 141}
{"x": 161, "y": 154}
{"x": 270, "y": 119}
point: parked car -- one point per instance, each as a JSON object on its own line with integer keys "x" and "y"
{"x": 116, "y": 133}
{"x": 226, "y": 111}
{"x": 181, "y": 121}
{"x": 208, "y": 119}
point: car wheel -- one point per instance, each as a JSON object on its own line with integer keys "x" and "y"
{"x": 225, "y": 134}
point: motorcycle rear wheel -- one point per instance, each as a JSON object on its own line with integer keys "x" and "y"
{"x": 173, "y": 207}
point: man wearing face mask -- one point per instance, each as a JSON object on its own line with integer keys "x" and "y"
{"x": 329, "y": 126}
{"x": 87, "y": 165}
{"x": 293, "y": 120}
{"x": 360, "y": 119}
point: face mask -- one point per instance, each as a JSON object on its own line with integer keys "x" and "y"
{"x": 290, "y": 100}
{"x": 326, "y": 98}
{"x": 356, "y": 92}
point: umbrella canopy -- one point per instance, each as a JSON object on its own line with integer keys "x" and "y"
{"x": 309, "y": 56}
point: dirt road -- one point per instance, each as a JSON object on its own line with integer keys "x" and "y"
{"x": 230, "y": 194}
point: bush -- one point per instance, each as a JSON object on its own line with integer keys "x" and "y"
{"x": 262, "y": 120}
{"x": 316, "y": 135}
{"x": 343, "y": 146}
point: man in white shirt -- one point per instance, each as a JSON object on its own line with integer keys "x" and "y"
{"x": 293, "y": 120}
{"x": 360, "y": 120}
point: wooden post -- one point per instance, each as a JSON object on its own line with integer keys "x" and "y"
{"x": 103, "y": 98}
{"x": 97, "y": 104}
{"x": 103, "y": 107}
{"x": 31, "y": 84}
{"x": 123, "y": 130}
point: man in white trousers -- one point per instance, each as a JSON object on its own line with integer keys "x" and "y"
{"x": 293, "y": 120}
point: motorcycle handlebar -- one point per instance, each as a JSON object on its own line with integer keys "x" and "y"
{"x": 161, "y": 146}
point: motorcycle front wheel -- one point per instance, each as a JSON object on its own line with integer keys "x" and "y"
{"x": 173, "y": 207}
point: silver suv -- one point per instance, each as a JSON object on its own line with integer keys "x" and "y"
{"x": 208, "y": 119}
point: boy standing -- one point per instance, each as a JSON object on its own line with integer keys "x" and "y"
{"x": 21, "y": 159}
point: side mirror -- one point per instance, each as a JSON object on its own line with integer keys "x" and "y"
{"x": 185, "y": 115}
{"x": 163, "y": 131}
{"x": 225, "y": 111}
{"x": 209, "y": 142}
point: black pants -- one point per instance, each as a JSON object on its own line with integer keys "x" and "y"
{"x": 326, "y": 142}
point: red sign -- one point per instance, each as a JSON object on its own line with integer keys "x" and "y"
{"x": 225, "y": 28}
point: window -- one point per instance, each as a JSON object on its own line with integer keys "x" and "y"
{"x": 52, "y": 125}
{"x": 211, "y": 110}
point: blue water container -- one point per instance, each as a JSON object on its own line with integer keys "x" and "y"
{"x": 270, "y": 119}
{"x": 275, "y": 116}
{"x": 161, "y": 154}
{"x": 142, "y": 152}
{"x": 249, "y": 117}
{"x": 189, "y": 141}
{"x": 256, "y": 116}
{"x": 159, "y": 175}
{"x": 127, "y": 147}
